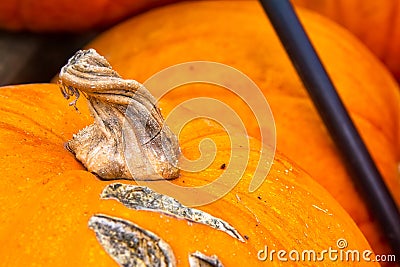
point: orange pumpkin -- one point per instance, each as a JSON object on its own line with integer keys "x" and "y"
{"x": 68, "y": 15}
{"x": 239, "y": 35}
{"x": 376, "y": 23}
{"x": 48, "y": 198}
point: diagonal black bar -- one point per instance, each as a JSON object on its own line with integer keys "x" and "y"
{"x": 332, "y": 111}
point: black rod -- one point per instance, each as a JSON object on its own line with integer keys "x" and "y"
{"x": 336, "y": 118}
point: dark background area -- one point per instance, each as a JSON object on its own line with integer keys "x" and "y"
{"x": 36, "y": 58}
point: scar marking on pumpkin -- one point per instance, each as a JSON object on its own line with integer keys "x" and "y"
{"x": 143, "y": 198}
{"x": 198, "y": 259}
{"x": 129, "y": 244}
{"x": 255, "y": 216}
{"x": 129, "y": 138}
{"x": 321, "y": 209}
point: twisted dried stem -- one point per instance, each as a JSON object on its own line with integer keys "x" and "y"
{"x": 128, "y": 138}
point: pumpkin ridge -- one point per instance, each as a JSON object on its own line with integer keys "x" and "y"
{"x": 389, "y": 32}
{"x": 35, "y": 123}
{"x": 12, "y": 128}
{"x": 355, "y": 116}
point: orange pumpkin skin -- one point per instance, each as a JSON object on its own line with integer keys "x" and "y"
{"x": 48, "y": 198}
{"x": 69, "y": 15}
{"x": 239, "y": 35}
{"x": 360, "y": 17}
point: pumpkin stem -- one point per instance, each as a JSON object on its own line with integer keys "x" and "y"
{"x": 129, "y": 138}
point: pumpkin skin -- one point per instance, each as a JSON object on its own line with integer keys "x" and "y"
{"x": 362, "y": 16}
{"x": 239, "y": 35}
{"x": 48, "y": 197}
{"x": 69, "y": 15}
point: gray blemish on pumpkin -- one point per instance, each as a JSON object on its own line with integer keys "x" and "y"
{"x": 130, "y": 245}
{"x": 126, "y": 118}
{"x": 198, "y": 259}
{"x": 143, "y": 198}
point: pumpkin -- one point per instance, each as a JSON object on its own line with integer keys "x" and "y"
{"x": 240, "y": 36}
{"x": 362, "y": 16}
{"x": 48, "y": 197}
{"x": 68, "y": 15}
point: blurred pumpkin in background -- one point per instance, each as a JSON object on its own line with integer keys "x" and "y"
{"x": 69, "y": 15}
{"x": 48, "y": 198}
{"x": 376, "y": 23}
{"x": 237, "y": 33}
